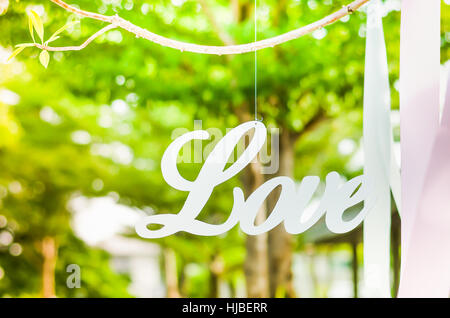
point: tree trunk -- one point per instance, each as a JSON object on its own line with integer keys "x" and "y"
{"x": 280, "y": 242}
{"x": 216, "y": 269}
{"x": 171, "y": 273}
{"x": 49, "y": 254}
{"x": 256, "y": 262}
{"x": 256, "y": 267}
{"x": 354, "y": 245}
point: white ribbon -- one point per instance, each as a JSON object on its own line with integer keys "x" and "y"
{"x": 377, "y": 153}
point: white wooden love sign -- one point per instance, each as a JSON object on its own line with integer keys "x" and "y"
{"x": 290, "y": 208}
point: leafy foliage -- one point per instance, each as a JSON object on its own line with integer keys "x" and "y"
{"x": 125, "y": 92}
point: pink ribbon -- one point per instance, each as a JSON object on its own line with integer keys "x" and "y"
{"x": 425, "y": 151}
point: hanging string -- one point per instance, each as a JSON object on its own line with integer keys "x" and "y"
{"x": 256, "y": 66}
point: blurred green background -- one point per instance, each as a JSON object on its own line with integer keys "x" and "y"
{"x": 81, "y": 144}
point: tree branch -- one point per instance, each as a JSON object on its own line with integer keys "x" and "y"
{"x": 319, "y": 118}
{"x": 79, "y": 47}
{"x": 117, "y": 21}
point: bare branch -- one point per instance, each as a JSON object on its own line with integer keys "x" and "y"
{"x": 206, "y": 49}
{"x": 79, "y": 47}
{"x": 318, "y": 119}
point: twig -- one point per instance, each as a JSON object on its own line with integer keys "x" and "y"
{"x": 79, "y": 47}
{"x": 206, "y": 49}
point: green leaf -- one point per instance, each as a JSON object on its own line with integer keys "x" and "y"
{"x": 15, "y": 52}
{"x": 30, "y": 26}
{"x": 37, "y": 23}
{"x": 53, "y": 38}
{"x": 44, "y": 58}
{"x": 60, "y": 30}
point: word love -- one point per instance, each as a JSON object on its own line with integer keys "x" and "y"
{"x": 290, "y": 207}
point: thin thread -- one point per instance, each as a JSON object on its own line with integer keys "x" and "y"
{"x": 256, "y": 66}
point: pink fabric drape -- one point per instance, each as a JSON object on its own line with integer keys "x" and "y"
{"x": 425, "y": 155}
